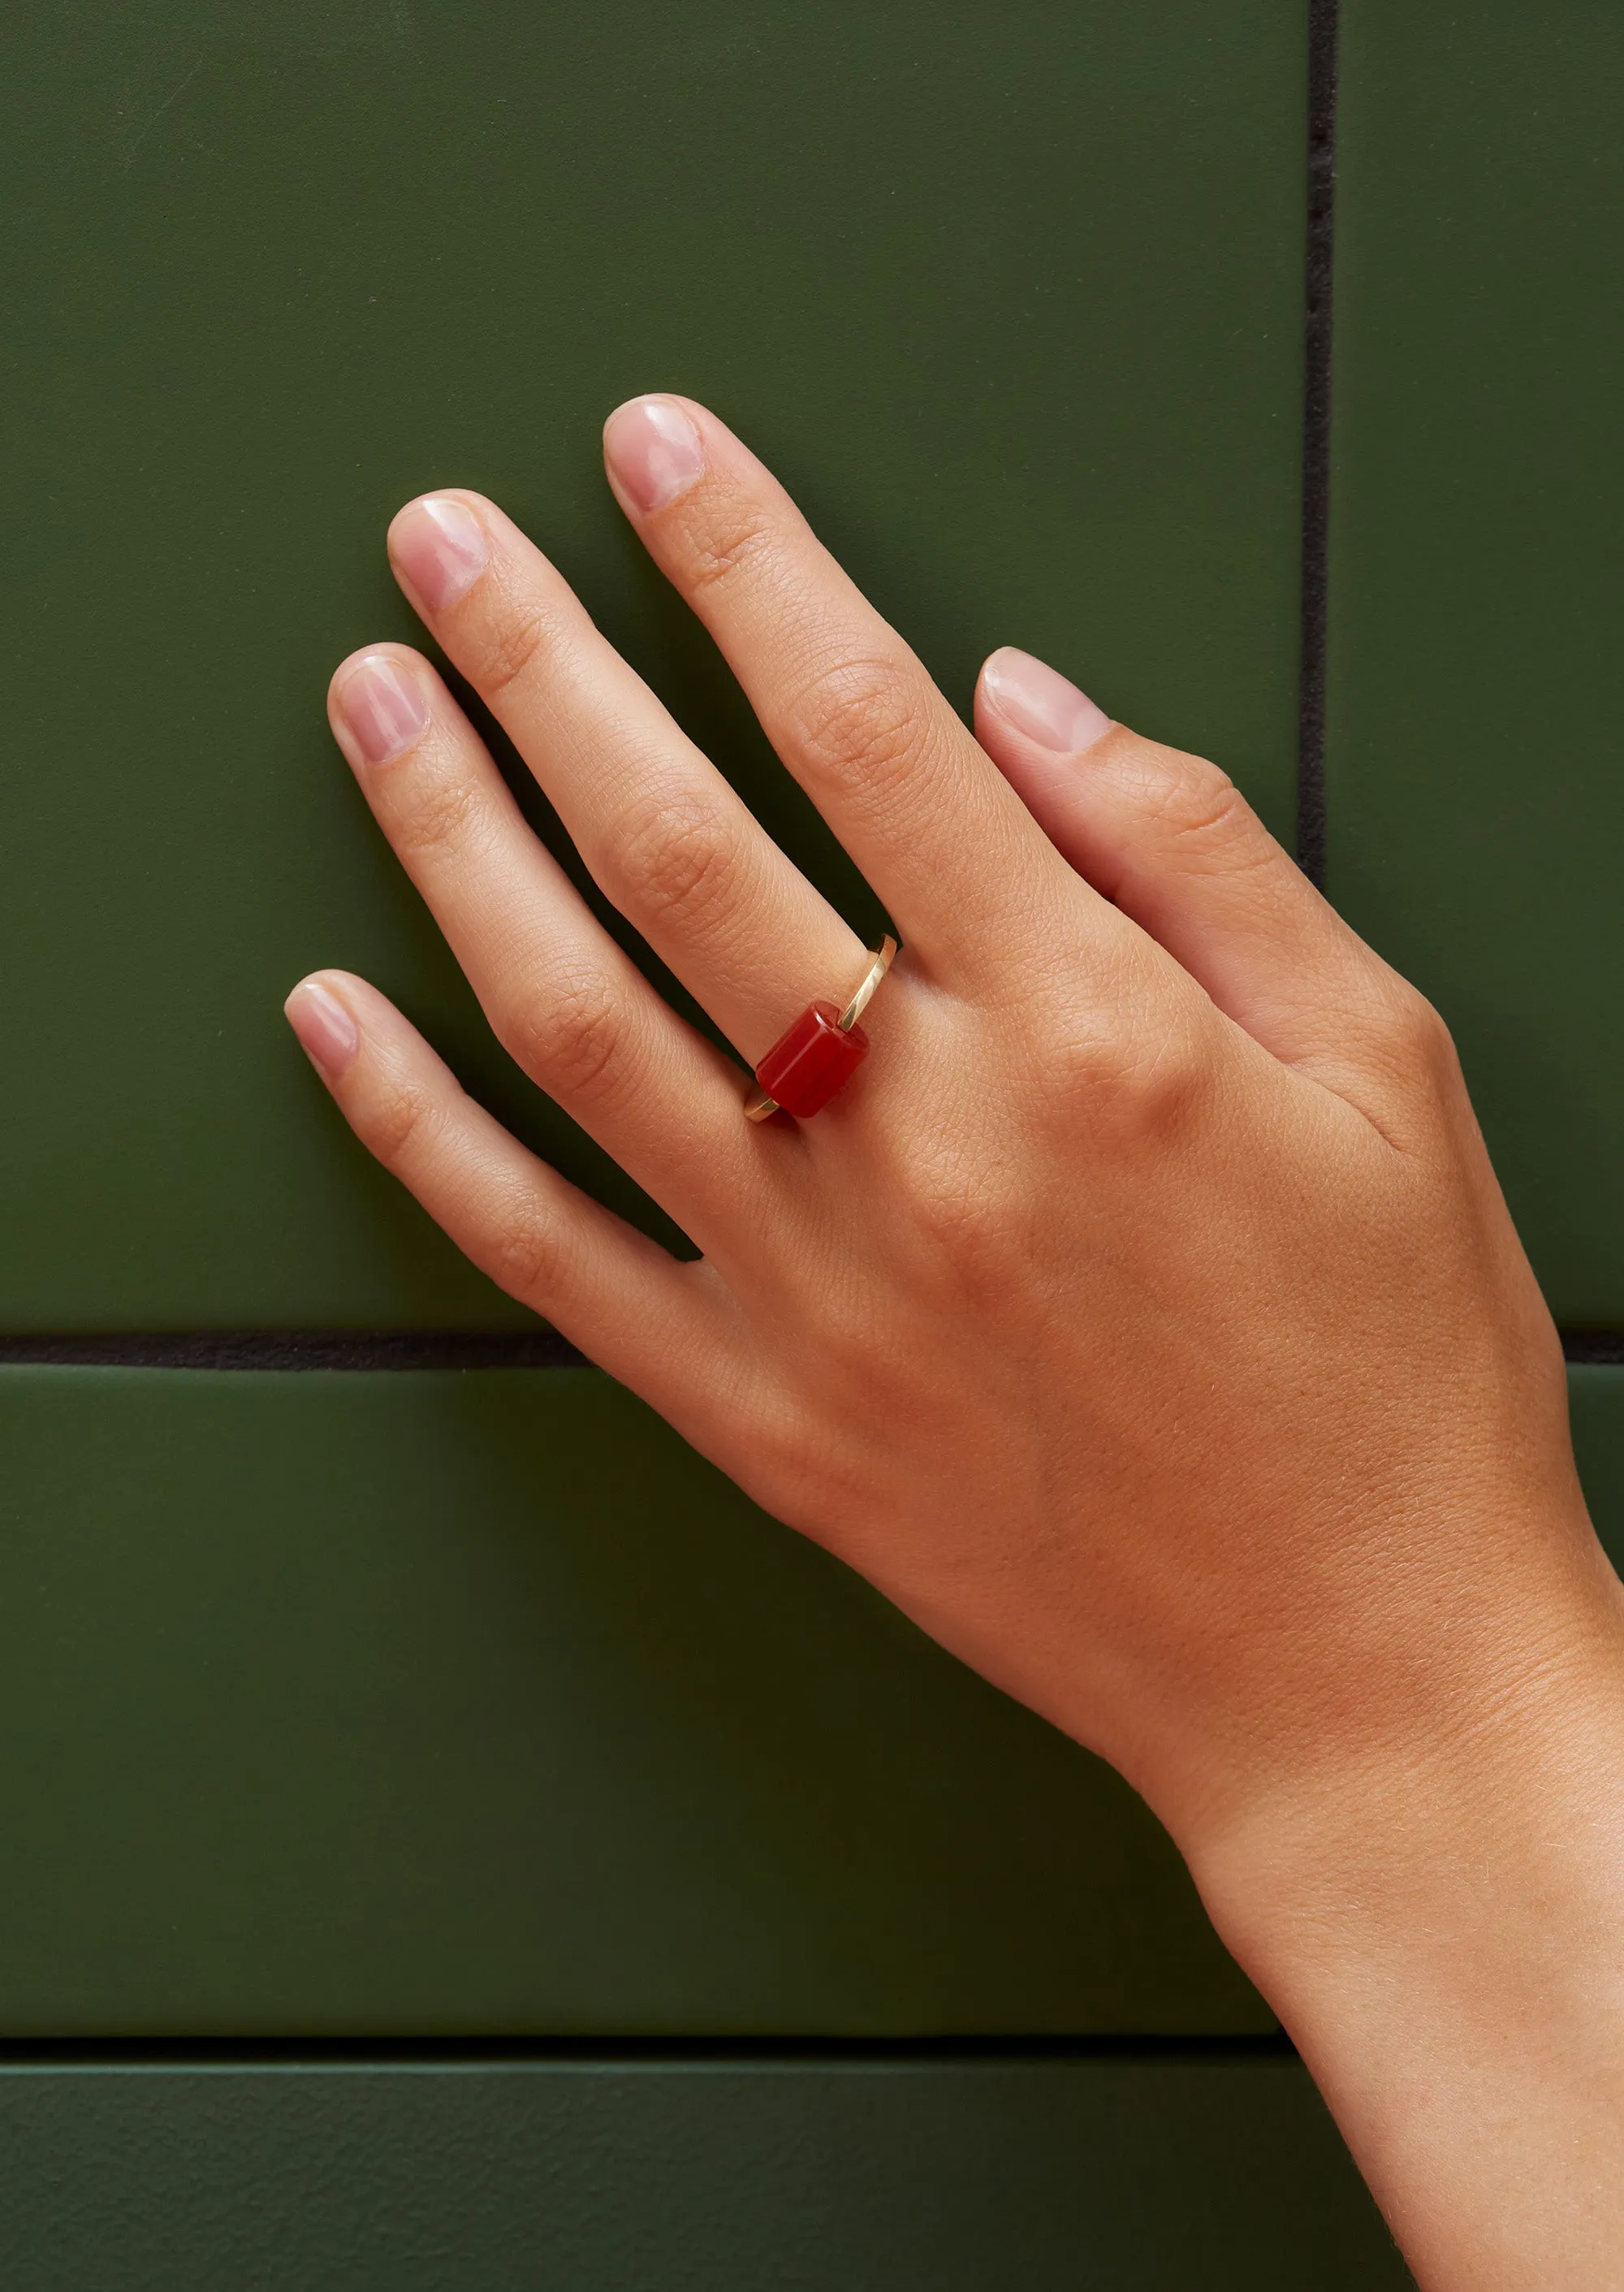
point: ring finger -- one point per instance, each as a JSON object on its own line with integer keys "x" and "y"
{"x": 661, "y": 830}
{"x": 567, "y": 1003}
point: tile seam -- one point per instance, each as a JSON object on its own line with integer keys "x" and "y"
{"x": 294, "y": 1351}
{"x": 1317, "y": 281}
{"x": 181, "y": 2054}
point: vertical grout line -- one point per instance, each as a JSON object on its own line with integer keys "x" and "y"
{"x": 1323, "y": 16}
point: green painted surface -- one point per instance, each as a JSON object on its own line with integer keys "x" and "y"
{"x": 1049, "y": 2176}
{"x": 1476, "y": 680}
{"x": 421, "y": 1703}
{"x": 1011, "y": 296}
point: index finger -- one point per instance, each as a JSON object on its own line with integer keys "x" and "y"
{"x": 933, "y": 824}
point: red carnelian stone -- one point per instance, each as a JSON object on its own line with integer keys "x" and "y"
{"x": 811, "y": 1060}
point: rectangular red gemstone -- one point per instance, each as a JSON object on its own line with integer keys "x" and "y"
{"x": 811, "y": 1060}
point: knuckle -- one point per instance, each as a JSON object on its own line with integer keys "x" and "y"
{"x": 832, "y": 1484}
{"x": 509, "y": 644}
{"x": 863, "y": 720}
{"x": 953, "y": 1205}
{"x": 1131, "y": 1056}
{"x": 677, "y": 859}
{"x": 1204, "y": 821}
{"x": 852, "y": 1342}
{"x": 968, "y": 1220}
{"x": 402, "y": 1124}
{"x": 1145, "y": 1083}
{"x": 569, "y": 1042}
{"x": 813, "y": 1482}
{"x": 442, "y": 818}
{"x": 1416, "y": 1035}
{"x": 525, "y": 1253}
{"x": 725, "y": 544}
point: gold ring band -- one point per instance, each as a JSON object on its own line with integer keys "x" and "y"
{"x": 884, "y": 955}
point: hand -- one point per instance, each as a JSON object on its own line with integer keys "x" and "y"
{"x": 1143, "y": 1317}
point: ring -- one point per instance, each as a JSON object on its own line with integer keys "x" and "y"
{"x": 823, "y": 1050}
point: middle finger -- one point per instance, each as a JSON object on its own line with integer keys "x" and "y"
{"x": 935, "y": 827}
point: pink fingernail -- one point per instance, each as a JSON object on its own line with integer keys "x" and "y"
{"x": 441, "y": 547}
{"x": 382, "y": 708}
{"x": 1042, "y": 703}
{"x": 654, "y": 450}
{"x": 328, "y": 1034}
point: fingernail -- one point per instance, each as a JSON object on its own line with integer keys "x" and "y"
{"x": 654, "y": 450}
{"x": 326, "y": 1032}
{"x": 1042, "y": 703}
{"x": 440, "y": 546}
{"x": 382, "y": 709}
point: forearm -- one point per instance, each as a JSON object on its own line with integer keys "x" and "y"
{"x": 1446, "y": 1947}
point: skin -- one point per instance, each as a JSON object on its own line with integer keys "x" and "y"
{"x": 1143, "y": 1318}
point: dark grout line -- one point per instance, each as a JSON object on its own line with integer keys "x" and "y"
{"x": 281, "y": 1351}
{"x": 1603, "y": 1345}
{"x": 386, "y": 2052}
{"x": 296, "y": 1348}
{"x": 1323, "y": 16}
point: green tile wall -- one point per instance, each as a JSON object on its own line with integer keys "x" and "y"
{"x": 1068, "y": 2175}
{"x": 1011, "y": 295}
{"x": 1476, "y": 676}
{"x": 412, "y": 1703}
{"x": 379, "y": 1705}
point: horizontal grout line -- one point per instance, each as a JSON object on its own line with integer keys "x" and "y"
{"x": 1607, "y": 1345}
{"x": 386, "y": 2052}
{"x": 282, "y": 1350}
{"x": 297, "y": 1349}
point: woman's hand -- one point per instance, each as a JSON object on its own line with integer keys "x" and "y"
{"x": 1143, "y": 1318}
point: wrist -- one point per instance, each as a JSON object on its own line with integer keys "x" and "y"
{"x": 1510, "y": 1769}
{"x": 1439, "y": 1923}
